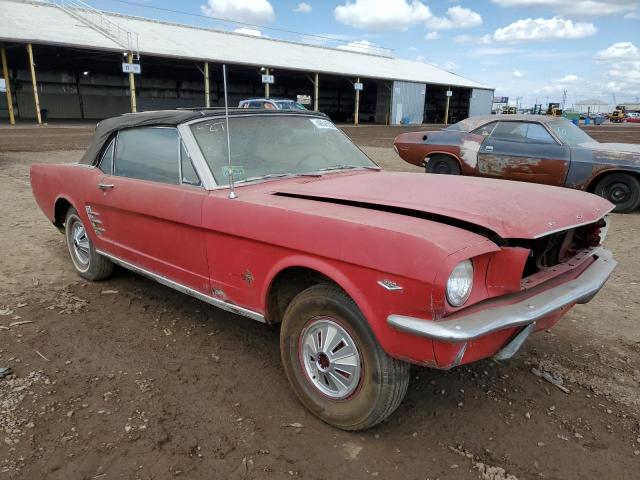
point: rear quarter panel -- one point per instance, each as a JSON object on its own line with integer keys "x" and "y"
{"x": 50, "y": 183}
{"x": 414, "y": 148}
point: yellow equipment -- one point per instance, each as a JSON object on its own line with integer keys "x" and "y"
{"x": 617, "y": 116}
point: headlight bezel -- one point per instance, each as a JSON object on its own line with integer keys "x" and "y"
{"x": 459, "y": 284}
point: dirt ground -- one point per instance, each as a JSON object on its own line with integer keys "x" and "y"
{"x": 127, "y": 379}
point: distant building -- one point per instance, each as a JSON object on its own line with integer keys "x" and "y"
{"x": 591, "y": 105}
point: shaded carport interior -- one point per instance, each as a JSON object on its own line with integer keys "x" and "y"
{"x": 75, "y": 83}
{"x": 436, "y": 101}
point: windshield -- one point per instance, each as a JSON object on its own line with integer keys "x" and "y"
{"x": 275, "y": 145}
{"x": 568, "y": 133}
{"x": 289, "y": 105}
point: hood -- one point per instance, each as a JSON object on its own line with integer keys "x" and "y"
{"x": 612, "y": 147}
{"x": 509, "y": 209}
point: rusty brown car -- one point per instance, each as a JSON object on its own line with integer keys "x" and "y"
{"x": 529, "y": 148}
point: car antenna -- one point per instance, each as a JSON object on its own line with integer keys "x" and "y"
{"x": 232, "y": 193}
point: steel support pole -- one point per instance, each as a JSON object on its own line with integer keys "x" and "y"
{"x": 446, "y": 112}
{"x": 7, "y": 84}
{"x": 32, "y": 67}
{"x": 356, "y": 113}
{"x": 316, "y": 91}
{"x": 207, "y": 96}
{"x": 266, "y": 85}
{"x": 132, "y": 86}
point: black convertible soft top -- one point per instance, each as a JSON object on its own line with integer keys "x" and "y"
{"x": 166, "y": 118}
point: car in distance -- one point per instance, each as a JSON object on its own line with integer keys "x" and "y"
{"x": 271, "y": 104}
{"x": 529, "y": 148}
{"x": 366, "y": 271}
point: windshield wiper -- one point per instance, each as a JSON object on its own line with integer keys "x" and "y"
{"x": 348, "y": 167}
{"x": 278, "y": 175}
{"x": 263, "y": 177}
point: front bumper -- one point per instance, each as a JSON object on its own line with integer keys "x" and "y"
{"x": 464, "y": 327}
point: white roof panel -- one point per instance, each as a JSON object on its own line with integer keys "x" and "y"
{"x": 38, "y": 22}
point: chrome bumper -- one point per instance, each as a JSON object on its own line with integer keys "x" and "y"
{"x": 464, "y": 327}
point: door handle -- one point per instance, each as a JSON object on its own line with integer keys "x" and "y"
{"x": 488, "y": 148}
{"x": 105, "y": 186}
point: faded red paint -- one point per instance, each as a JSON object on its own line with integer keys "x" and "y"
{"x": 203, "y": 240}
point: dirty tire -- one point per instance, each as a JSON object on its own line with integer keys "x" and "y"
{"x": 383, "y": 381}
{"x": 621, "y": 189}
{"x": 88, "y": 263}
{"x": 443, "y": 165}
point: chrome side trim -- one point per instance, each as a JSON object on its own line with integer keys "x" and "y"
{"x": 216, "y": 302}
{"x": 463, "y": 327}
{"x": 197, "y": 158}
{"x": 390, "y": 285}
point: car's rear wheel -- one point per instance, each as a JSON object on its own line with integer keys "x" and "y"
{"x": 88, "y": 263}
{"x": 443, "y": 165}
{"x": 621, "y": 189}
{"x": 334, "y": 363}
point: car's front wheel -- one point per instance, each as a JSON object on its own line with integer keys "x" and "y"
{"x": 334, "y": 363}
{"x": 621, "y": 189}
{"x": 88, "y": 263}
{"x": 443, "y": 165}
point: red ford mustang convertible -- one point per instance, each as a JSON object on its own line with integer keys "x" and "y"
{"x": 367, "y": 271}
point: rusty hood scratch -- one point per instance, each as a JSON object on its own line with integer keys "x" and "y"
{"x": 510, "y": 209}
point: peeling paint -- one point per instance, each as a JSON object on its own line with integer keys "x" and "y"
{"x": 469, "y": 152}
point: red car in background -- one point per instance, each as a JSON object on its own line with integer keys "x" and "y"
{"x": 366, "y": 271}
{"x": 529, "y": 148}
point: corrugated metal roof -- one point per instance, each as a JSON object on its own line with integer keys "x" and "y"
{"x": 38, "y": 22}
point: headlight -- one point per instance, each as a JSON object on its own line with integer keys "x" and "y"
{"x": 460, "y": 283}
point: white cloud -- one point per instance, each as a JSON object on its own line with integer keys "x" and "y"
{"x": 635, "y": 15}
{"x": 555, "y": 28}
{"x": 619, "y": 51}
{"x": 622, "y": 62}
{"x": 569, "y": 79}
{"x": 517, "y": 74}
{"x": 432, "y": 36}
{"x": 361, "y": 46}
{"x": 483, "y": 40}
{"x": 457, "y": 17}
{"x": 247, "y": 11}
{"x": 382, "y": 15}
{"x": 412, "y": 48}
{"x": 249, "y": 31}
{"x": 575, "y": 7}
{"x": 303, "y": 7}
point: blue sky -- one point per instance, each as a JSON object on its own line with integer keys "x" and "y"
{"x": 532, "y": 49}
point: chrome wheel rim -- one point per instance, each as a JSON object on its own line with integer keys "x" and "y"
{"x": 330, "y": 358}
{"x": 80, "y": 244}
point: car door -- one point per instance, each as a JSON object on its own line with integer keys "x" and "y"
{"x": 147, "y": 206}
{"x": 523, "y": 151}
